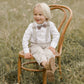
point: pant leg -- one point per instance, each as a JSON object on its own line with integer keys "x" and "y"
{"x": 48, "y": 53}
{"x": 38, "y": 53}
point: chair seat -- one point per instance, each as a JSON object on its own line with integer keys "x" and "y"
{"x": 21, "y": 54}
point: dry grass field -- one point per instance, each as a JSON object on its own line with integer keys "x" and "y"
{"x": 15, "y": 15}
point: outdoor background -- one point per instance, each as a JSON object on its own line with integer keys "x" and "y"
{"x": 15, "y": 15}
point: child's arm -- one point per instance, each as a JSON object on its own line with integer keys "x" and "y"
{"x": 25, "y": 41}
{"x": 55, "y": 38}
{"x": 55, "y": 35}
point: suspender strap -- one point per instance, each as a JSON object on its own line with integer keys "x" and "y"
{"x": 47, "y": 32}
{"x": 34, "y": 33}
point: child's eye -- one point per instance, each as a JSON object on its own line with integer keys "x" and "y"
{"x": 40, "y": 14}
{"x": 35, "y": 14}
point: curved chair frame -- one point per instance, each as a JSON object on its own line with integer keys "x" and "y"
{"x": 60, "y": 44}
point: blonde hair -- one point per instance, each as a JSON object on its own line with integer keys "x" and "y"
{"x": 45, "y": 9}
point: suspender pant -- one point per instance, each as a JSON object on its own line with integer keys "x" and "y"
{"x": 41, "y": 52}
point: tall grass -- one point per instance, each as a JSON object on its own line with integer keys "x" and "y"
{"x": 14, "y": 19}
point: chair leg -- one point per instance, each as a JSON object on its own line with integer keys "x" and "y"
{"x": 59, "y": 63}
{"x": 19, "y": 69}
{"x": 44, "y": 77}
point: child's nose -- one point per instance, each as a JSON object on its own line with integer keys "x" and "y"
{"x": 37, "y": 16}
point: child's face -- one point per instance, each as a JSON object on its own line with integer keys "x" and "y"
{"x": 38, "y": 16}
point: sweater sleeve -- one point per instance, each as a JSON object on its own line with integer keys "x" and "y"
{"x": 55, "y": 35}
{"x": 26, "y": 38}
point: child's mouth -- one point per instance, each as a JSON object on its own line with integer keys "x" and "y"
{"x": 37, "y": 20}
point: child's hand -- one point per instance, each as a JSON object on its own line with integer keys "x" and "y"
{"x": 28, "y": 55}
{"x": 53, "y": 50}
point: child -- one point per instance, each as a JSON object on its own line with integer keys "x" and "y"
{"x": 39, "y": 34}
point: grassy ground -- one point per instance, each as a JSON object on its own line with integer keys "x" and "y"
{"x": 14, "y": 18}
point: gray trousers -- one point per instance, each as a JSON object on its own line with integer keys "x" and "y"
{"x": 41, "y": 52}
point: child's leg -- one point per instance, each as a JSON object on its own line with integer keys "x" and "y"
{"x": 38, "y": 54}
{"x": 51, "y": 58}
{"x": 48, "y": 54}
{"x": 45, "y": 64}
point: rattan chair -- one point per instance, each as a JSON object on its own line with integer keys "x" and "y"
{"x": 63, "y": 23}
